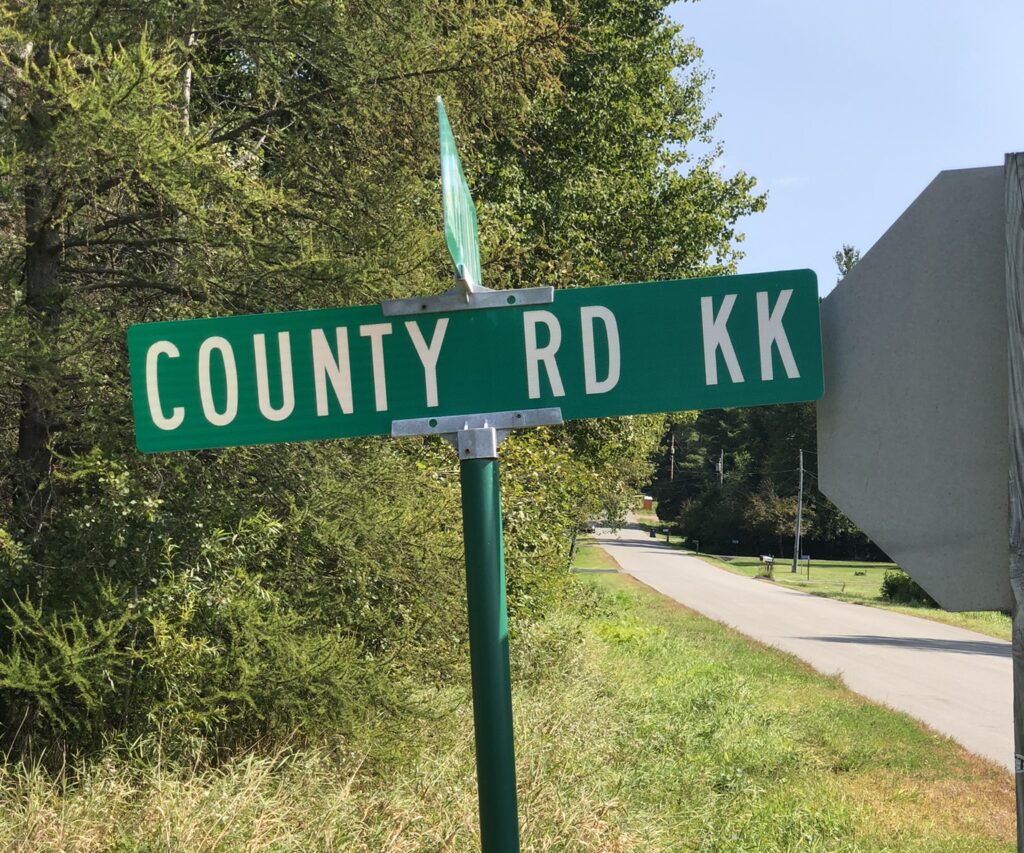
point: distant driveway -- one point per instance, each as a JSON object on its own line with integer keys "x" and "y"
{"x": 956, "y": 681}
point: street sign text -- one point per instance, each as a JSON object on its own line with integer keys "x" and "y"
{"x": 593, "y": 352}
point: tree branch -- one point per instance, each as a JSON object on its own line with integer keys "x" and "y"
{"x": 125, "y": 241}
{"x": 136, "y": 284}
{"x": 283, "y": 109}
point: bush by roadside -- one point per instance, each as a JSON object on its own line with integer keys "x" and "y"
{"x": 899, "y": 588}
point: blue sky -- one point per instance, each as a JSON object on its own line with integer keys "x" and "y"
{"x": 844, "y": 110}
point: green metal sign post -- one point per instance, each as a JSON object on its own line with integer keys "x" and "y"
{"x": 471, "y": 364}
{"x": 488, "y": 652}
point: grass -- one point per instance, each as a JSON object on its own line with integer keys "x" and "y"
{"x": 590, "y": 557}
{"x": 843, "y": 581}
{"x": 639, "y": 726}
{"x": 777, "y": 757}
{"x": 840, "y": 579}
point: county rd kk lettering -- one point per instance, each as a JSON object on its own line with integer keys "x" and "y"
{"x": 543, "y": 352}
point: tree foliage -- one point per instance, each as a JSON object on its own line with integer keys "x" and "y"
{"x": 173, "y": 158}
{"x": 751, "y": 507}
{"x": 846, "y": 258}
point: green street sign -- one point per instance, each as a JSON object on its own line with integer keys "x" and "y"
{"x": 593, "y": 352}
{"x": 460, "y": 225}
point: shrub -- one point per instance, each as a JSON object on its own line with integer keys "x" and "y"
{"x": 899, "y": 587}
{"x": 212, "y": 664}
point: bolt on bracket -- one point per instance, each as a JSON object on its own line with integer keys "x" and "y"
{"x": 477, "y": 436}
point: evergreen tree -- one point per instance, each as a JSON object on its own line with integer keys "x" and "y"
{"x": 846, "y": 258}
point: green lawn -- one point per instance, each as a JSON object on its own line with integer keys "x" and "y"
{"x": 851, "y": 581}
{"x": 860, "y": 583}
{"x": 591, "y": 556}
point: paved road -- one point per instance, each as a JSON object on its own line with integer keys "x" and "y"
{"x": 956, "y": 681}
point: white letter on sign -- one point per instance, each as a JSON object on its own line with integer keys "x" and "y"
{"x": 535, "y": 355}
{"x": 716, "y": 337}
{"x": 156, "y": 411}
{"x": 259, "y": 344}
{"x": 588, "y": 315}
{"x": 428, "y": 355}
{"x": 326, "y": 366}
{"x": 770, "y": 331}
{"x": 230, "y": 380}
{"x": 376, "y": 333}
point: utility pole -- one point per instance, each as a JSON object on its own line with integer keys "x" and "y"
{"x": 721, "y": 467}
{"x": 672, "y": 457}
{"x": 799, "y": 514}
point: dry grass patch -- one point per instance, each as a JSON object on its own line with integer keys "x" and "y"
{"x": 978, "y": 807}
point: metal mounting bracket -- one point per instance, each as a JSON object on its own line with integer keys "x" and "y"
{"x": 468, "y": 297}
{"x": 477, "y": 436}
